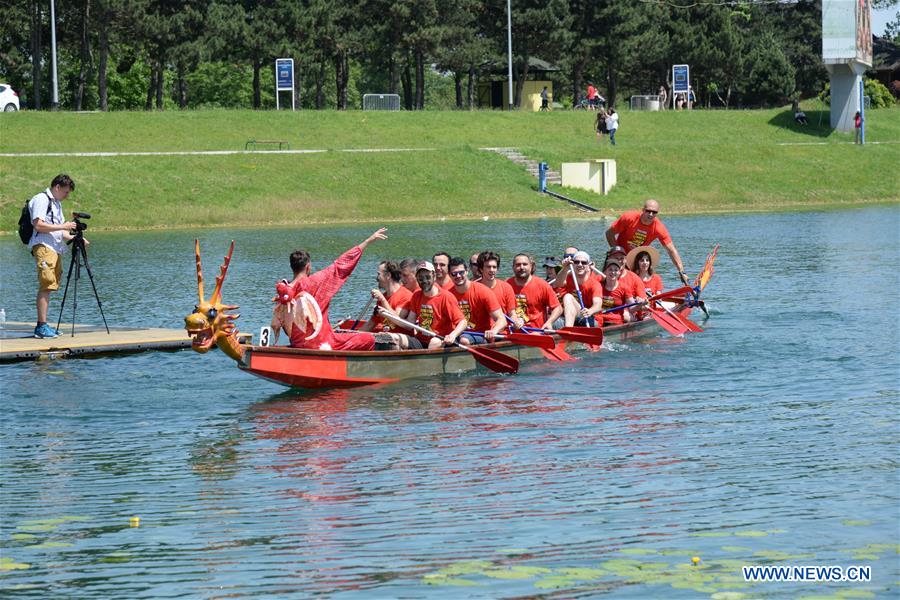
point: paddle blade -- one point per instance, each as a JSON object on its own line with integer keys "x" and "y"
{"x": 688, "y": 323}
{"x": 557, "y": 354}
{"x": 671, "y": 324}
{"x": 494, "y": 360}
{"x": 592, "y": 336}
{"x": 672, "y": 293}
{"x": 526, "y": 339}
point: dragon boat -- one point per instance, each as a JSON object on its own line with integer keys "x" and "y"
{"x": 212, "y": 325}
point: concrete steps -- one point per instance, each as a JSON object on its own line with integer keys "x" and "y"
{"x": 553, "y": 177}
{"x": 530, "y": 165}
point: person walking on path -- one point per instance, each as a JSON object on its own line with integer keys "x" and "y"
{"x": 545, "y": 99}
{"x": 48, "y": 244}
{"x": 612, "y": 124}
{"x": 857, "y": 124}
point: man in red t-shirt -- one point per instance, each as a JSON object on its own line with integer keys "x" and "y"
{"x": 478, "y": 304}
{"x": 641, "y": 228}
{"x": 391, "y": 294}
{"x": 435, "y": 309}
{"x": 534, "y": 296}
{"x": 489, "y": 263}
{"x": 441, "y": 262}
{"x": 577, "y": 311}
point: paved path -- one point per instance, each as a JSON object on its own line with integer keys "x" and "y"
{"x": 207, "y": 152}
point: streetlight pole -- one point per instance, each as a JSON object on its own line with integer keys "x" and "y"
{"x": 509, "y": 49}
{"x": 54, "y": 102}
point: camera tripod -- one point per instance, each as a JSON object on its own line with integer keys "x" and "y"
{"x": 79, "y": 259}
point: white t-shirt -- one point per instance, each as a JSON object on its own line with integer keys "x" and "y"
{"x": 612, "y": 121}
{"x": 49, "y": 210}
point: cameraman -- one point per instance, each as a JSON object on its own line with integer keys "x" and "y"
{"x": 47, "y": 244}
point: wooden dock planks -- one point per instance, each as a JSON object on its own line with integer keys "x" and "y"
{"x": 18, "y": 344}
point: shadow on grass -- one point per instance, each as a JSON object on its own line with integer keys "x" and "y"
{"x": 818, "y": 123}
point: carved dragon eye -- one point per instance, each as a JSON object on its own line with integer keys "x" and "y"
{"x": 212, "y": 313}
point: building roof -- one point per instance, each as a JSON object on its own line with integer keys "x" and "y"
{"x": 536, "y": 66}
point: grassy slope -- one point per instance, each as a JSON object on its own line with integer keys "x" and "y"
{"x": 692, "y": 162}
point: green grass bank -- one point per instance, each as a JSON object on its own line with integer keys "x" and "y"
{"x": 692, "y": 162}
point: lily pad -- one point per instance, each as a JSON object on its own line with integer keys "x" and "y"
{"x": 439, "y": 580}
{"x": 51, "y": 545}
{"x": 856, "y": 523}
{"x": 712, "y": 534}
{"x": 116, "y": 557}
{"x": 737, "y": 549}
{"x": 23, "y": 537}
{"x": 506, "y": 574}
{"x": 751, "y": 533}
{"x": 728, "y": 596}
{"x": 8, "y": 564}
{"x": 584, "y": 573}
{"x": 469, "y": 567}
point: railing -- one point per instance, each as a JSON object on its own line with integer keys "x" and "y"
{"x": 381, "y": 102}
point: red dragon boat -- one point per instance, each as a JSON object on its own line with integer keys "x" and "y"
{"x": 212, "y": 325}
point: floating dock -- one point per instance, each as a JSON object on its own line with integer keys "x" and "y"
{"x": 17, "y": 341}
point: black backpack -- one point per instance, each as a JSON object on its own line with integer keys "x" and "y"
{"x": 26, "y": 227}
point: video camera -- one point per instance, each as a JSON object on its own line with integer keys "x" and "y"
{"x": 79, "y": 226}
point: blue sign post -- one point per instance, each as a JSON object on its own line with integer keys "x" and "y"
{"x": 862, "y": 112}
{"x": 681, "y": 82}
{"x": 284, "y": 79}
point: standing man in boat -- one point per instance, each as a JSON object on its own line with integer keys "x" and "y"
{"x": 435, "y": 309}
{"x": 534, "y": 296}
{"x": 478, "y": 304}
{"x": 640, "y": 228}
{"x": 489, "y": 264}
{"x": 322, "y": 286}
{"x": 441, "y": 262}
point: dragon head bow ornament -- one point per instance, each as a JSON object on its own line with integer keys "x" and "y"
{"x": 210, "y": 324}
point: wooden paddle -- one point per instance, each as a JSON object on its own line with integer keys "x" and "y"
{"x": 553, "y": 353}
{"x": 593, "y": 336}
{"x": 524, "y": 339}
{"x": 491, "y": 359}
{"x": 684, "y": 320}
{"x": 362, "y": 312}
{"x": 669, "y": 323}
{"x": 590, "y": 320}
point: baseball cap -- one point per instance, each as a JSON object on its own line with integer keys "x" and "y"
{"x": 616, "y": 250}
{"x": 551, "y": 261}
{"x": 426, "y": 265}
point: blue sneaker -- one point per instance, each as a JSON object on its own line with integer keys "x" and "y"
{"x": 45, "y": 331}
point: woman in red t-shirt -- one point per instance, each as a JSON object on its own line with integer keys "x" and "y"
{"x": 642, "y": 261}
{"x": 615, "y": 293}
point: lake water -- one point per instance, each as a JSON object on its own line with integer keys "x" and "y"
{"x": 769, "y": 439}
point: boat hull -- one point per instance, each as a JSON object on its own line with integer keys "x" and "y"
{"x": 317, "y": 369}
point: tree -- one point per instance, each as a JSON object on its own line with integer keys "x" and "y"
{"x": 769, "y": 76}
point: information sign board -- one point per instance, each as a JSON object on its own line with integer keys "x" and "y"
{"x": 284, "y": 79}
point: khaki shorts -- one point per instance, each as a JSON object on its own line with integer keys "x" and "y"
{"x": 49, "y": 267}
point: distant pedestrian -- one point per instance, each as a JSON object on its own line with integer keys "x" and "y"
{"x": 663, "y": 97}
{"x": 857, "y": 124}
{"x": 545, "y": 99}
{"x": 600, "y": 124}
{"x": 612, "y": 124}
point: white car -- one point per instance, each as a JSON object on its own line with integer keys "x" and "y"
{"x": 9, "y": 99}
